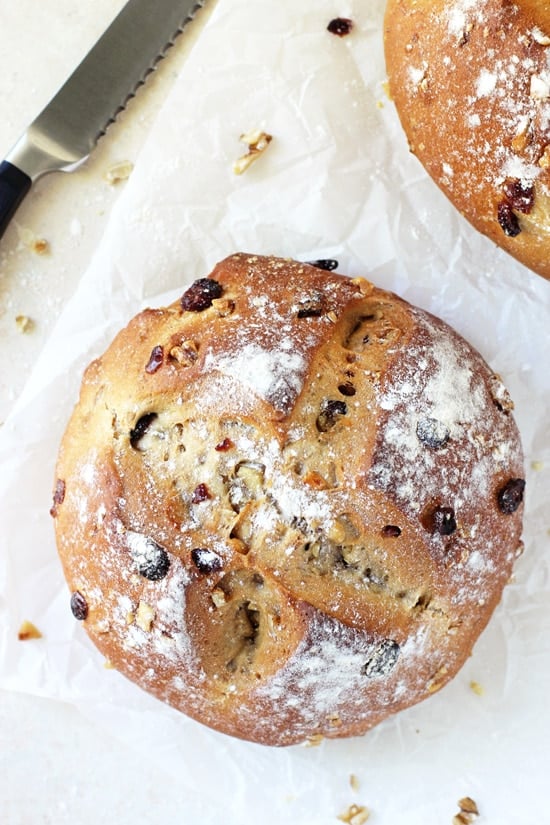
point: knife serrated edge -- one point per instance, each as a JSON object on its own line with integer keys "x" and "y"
{"x": 34, "y": 161}
{"x": 143, "y": 79}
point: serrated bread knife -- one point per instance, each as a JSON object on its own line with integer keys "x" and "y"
{"x": 66, "y": 131}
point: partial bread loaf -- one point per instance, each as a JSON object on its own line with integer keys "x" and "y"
{"x": 471, "y": 83}
{"x": 288, "y": 503}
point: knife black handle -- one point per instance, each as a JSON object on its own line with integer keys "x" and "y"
{"x": 14, "y": 185}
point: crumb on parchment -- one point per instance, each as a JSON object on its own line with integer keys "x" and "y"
{"x": 28, "y": 631}
{"x": 257, "y": 142}
{"x": 355, "y": 815}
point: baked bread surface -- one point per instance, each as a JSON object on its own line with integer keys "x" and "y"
{"x": 288, "y": 504}
{"x": 471, "y": 83}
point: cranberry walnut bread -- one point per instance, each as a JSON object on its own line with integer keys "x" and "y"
{"x": 471, "y": 83}
{"x": 288, "y": 503}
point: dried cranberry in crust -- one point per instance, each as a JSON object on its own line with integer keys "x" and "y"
{"x": 328, "y": 264}
{"x": 200, "y": 295}
{"x": 224, "y": 445}
{"x": 520, "y": 196}
{"x": 149, "y": 557}
{"x": 330, "y": 412}
{"x": 432, "y": 433}
{"x": 58, "y": 496}
{"x": 391, "y": 530}
{"x": 312, "y": 306}
{"x": 142, "y": 425}
{"x": 200, "y": 493}
{"x": 508, "y": 220}
{"x": 79, "y": 606}
{"x": 511, "y": 496}
{"x": 206, "y": 561}
{"x": 443, "y": 520}
{"x": 382, "y": 660}
{"x": 155, "y": 359}
{"x": 340, "y": 26}
{"x": 347, "y": 389}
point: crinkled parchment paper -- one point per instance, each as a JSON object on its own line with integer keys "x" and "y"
{"x": 336, "y": 181}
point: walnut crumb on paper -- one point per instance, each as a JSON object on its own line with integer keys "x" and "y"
{"x": 119, "y": 172}
{"x": 257, "y": 142}
{"x": 24, "y": 324}
{"x": 355, "y": 815}
{"x": 476, "y": 688}
{"x": 28, "y": 631}
{"x": 354, "y": 782}
{"x": 468, "y": 812}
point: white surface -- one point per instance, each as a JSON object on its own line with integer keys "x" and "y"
{"x": 367, "y": 203}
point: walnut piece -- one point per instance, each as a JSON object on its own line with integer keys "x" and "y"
{"x": 257, "y": 142}
{"x": 24, "y": 323}
{"x": 144, "y": 616}
{"x": 28, "y": 631}
{"x": 355, "y": 815}
{"x": 119, "y": 172}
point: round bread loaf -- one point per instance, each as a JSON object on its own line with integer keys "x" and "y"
{"x": 288, "y": 503}
{"x": 471, "y": 83}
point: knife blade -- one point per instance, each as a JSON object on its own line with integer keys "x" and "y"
{"x": 65, "y": 132}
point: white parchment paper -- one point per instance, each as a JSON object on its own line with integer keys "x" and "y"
{"x": 336, "y": 181}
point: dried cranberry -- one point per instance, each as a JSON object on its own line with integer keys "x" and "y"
{"x": 206, "y": 561}
{"x": 200, "y": 295}
{"x": 382, "y": 660}
{"x": 200, "y": 493}
{"x": 432, "y": 433}
{"x": 58, "y": 496}
{"x": 224, "y": 445}
{"x": 391, "y": 530}
{"x": 347, "y": 389}
{"x": 142, "y": 425}
{"x": 150, "y": 558}
{"x": 155, "y": 359}
{"x": 330, "y": 412}
{"x": 328, "y": 264}
{"x": 79, "y": 606}
{"x": 511, "y": 495}
{"x": 508, "y": 220}
{"x": 443, "y": 520}
{"x": 340, "y": 26}
{"x": 519, "y": 195}
{"x": 313, "y": 306}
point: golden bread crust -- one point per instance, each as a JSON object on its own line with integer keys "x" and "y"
{"x": 280, "y": 511}
{"x": 471, "y": 84}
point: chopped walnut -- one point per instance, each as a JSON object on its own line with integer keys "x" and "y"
{"x": 540, "y": 88}
{"x": 24, "y": 323}
{"x": 467, "y": 805}
{"x": 438, "y": 680}
{"x": 544, "y": 160}
{"x": 119, "y": 172}
{"x": 314, "y": 741}
{"x": 355, "y": 815}
{"x": 257, "y": 142}
{"x": 144, "y": 616}
{"x": 28, "y": 631}
{"x": 40, "y": 246}
{"x": 218, "y": 597}
{"x": 185, "y": 353}
{"x": 223, "y": 306}
{"x": 468, "y": 812}
{"x": 523, "y": 135}
{"x": 108, "y": 665}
